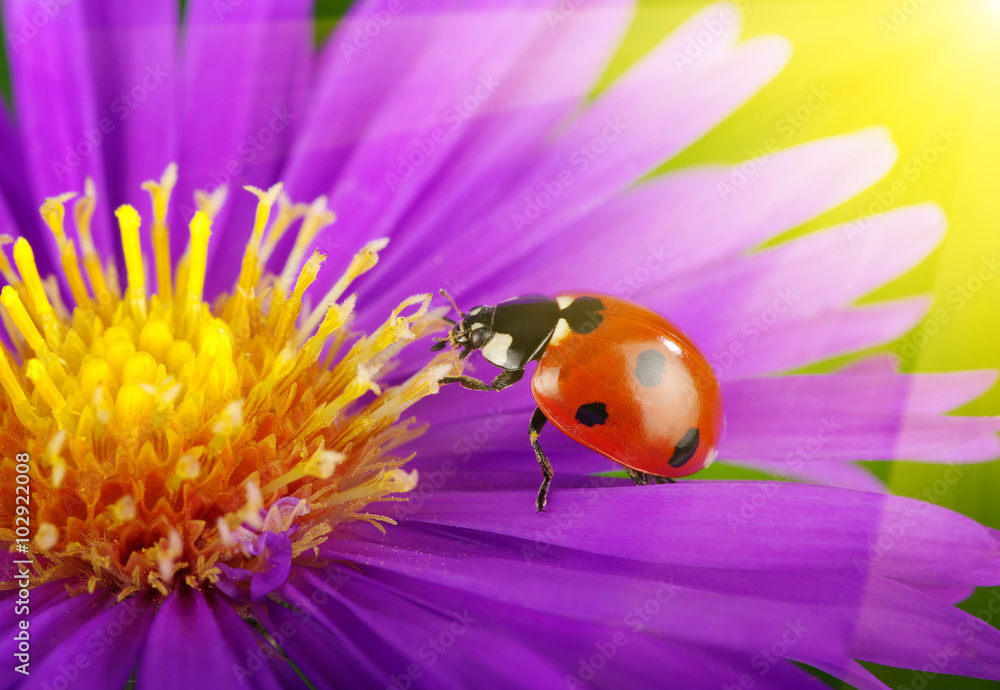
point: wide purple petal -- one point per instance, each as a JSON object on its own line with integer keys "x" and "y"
{"x": 100, "y": 653}
{"x": 132, "y": 51}
{"x": 245, "y": 77}
{"x": 217, "y": 649}
{"x": 794, "y": 420}
{"x": 58, "y": 115}
{"x": 676, "y": 223}
{"x": 761, "y": 525}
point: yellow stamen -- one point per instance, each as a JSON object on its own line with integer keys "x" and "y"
{"x": 317, "y": 218}
{"x": 36, "y": 372}
{"x": 290, "y": 309}
{"x": 210, "y": 203}
{"x": 9, "y": 380}
{"x": 128, "y": 221}
{"x": 25, "y": 260}
{"x": 159, "y": 193}
{"x": 5, "y": 268}
{"x": 54, "y": 212}
{"x": 363, "y": 262}
{"x": 288, "y": 213}
{"x": 83, "y": 212}
{"x": 265, "y": 203}
{"x": 320, "y": 464}
{"x": 12, "y": 301}
{"x": 201, "y": 229}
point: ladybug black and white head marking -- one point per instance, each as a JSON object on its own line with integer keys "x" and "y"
{"x": 473, "y": 332}
{"x": 510, "y": 334}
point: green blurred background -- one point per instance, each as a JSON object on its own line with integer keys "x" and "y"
{"x": 918, "y": 67}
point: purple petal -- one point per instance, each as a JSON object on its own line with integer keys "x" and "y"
{"x": 402, "y": 630}
{"x": 794, "y": 420}
{"x": 277, "y": 550}
{"x": 102, "y": 652}
{"x": 949, "y": 638}
{"x": 431, "y": 105}
{"x": 18, "y": 213}
{"x": 217, "y": 649}
{"x": 246, "y": 66}
{"x": 58, "y": 115}
{"x": 52, "y": 624}
{"x": 845, "y": 475}
{"x": 326, "y": 647}
{"x": 796, "y": 525}
{"x": 794, "y": 281}
{"x": 132, "y": 52}
{"x": 786, "y": 346}
{"x": 551, "y": 78}
{"x": 677, "y": 225}
{"x": 651, "y": 105}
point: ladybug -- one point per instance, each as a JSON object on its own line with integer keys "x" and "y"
{"x": 612, "y": 375}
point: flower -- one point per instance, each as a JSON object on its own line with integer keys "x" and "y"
{"x": 240, "y": 515}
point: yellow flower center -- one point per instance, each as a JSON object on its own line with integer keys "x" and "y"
{"x": 161, "y": 429}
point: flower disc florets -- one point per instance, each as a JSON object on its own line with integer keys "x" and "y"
{"x": 173, "y": 442}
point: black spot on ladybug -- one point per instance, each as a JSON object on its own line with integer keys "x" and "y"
{"x": 592, "y": 414}
{"x": 685, "y": 448}
{"x": 582, "y": 314}
{"x": 649, "y": 368}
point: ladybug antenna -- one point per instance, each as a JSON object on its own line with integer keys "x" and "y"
{"x": 444, "y": 293}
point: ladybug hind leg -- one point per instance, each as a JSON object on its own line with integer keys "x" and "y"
{"x": 534, "y": 429}
{"x": 642, "y": 479}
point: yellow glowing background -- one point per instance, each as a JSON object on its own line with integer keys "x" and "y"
{"x": 930, "y": 71}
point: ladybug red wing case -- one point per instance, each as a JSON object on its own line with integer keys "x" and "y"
{"x": 628, "y": 383}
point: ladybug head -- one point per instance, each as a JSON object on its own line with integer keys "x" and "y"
{"x": 471, "y": 333}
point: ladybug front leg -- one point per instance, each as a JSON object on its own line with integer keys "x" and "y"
{"x": 504, "y": 379}
{"x": 534, "y": 429}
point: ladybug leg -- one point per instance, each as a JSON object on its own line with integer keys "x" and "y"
{"x": 640, "y": 478}
{"x": 503, "y": 379}
{"x": 534, "y": 428}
